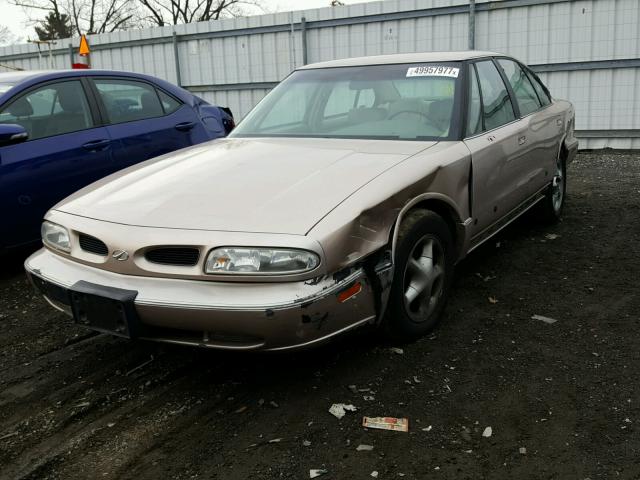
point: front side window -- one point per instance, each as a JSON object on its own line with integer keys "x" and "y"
{"x": 496, "y": 104}
{"x": 53, "y": 109}
{"x": 521, "y": 85}
{"x": 127, "y": 100}
{"x": 407, "y": 101}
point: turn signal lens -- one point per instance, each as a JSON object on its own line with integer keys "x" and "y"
{"x": 353, "y": 290}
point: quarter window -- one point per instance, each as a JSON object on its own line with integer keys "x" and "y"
{"x": 169, "y": 104}
{"x": 496, "y": 104}
{"x": 522, "y": 88}
{"x": 126, "y": 100}
{"x": 53, "y": 109}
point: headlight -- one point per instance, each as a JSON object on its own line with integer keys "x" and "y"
{"x": 260, "y": 261}
{"x": 55, "y": 236}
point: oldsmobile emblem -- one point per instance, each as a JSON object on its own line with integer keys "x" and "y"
{"x": 120, "y": 255}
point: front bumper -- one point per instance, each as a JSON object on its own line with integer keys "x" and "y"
{"x": 235, "y": 316}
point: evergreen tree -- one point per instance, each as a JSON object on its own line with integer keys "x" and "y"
{"x": 54, "y": 26}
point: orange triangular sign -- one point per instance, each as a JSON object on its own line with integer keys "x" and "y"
{"x": 84, "y": 46}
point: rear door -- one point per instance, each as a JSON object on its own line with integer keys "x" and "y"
{"x": 540, "y": 144}
{"x": 66, "y": 150}
{"x": 145, "y": 121}
{"x": 493, "y": 135}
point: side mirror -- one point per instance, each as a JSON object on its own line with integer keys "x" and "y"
{"x": 11, "y": 133}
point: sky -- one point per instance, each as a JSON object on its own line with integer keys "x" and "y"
{"x": 16, "y": 19}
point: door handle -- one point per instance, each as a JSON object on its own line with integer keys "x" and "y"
{"x": 522, "y": 140}
{"x": 96, "y": 145}
{"x": 185, "y": 126}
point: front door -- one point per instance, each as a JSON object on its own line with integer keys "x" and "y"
{"x": 64, "y": 152}
{"x": 494, "y": 138}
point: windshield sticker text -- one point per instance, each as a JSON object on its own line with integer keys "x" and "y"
{"x": 433, "y": 71}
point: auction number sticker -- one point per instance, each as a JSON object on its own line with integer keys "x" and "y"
{"x": 433, "y": 71}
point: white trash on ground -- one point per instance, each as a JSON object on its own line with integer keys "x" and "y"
{"x": 364, "y": 448}
{"x": 544, "y": 319}
{"x": 339, "y": 410}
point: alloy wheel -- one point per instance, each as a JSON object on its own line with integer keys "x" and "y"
{"x": 557, "y": 187}
{"x": 424, "y": 278}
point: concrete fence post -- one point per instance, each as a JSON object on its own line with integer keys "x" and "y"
{"x": 303, "y": 34}
{"x": 472, "y": 24}
{"x": 176, "y": 58}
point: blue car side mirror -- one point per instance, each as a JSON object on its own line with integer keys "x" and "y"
{"x": 11, "y": 133}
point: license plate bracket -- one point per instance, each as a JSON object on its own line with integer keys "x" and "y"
{"x": 106, "y": 309}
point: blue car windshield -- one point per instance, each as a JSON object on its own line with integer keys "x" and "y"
{"x": 405, "y": 101}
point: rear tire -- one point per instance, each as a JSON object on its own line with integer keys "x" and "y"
{"x": 423, "y": 271}
{"x": 551, "y": 207}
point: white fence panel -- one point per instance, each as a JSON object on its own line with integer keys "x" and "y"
{"x": 587, "y": 51}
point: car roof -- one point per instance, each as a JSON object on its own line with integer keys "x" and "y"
{"x": 26, "y": 78}
{"x": 23, "y": 75}
{"x": 403, "y": 58}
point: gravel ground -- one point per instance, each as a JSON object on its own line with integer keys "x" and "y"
{"x": 78, "y": 405}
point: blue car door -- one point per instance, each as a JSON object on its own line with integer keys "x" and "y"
{"x": 66, "y": 149}
{"x": 144, "y": 121}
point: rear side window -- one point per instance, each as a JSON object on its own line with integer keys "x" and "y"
{"x": 474, "y": 116}
{"x": 497, "y": 109}
{"x": 539, "y": 88}
{"x": 53, "y": 109}
{"x": 521, "y": 85}
{"x": 127, "y": 101}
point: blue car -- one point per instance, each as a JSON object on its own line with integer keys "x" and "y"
{"x": 62, "y": 130}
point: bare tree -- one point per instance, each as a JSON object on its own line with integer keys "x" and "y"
{"x": 173, "y": 12}
{"x": 6, "y": 36}
{"x": 88, "y": 16}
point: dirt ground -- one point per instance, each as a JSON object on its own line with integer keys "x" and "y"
{"x": 78, "y": 405}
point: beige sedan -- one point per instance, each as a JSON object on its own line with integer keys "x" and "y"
{"x": 344, "y": 199}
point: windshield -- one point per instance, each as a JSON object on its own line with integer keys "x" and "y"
{"x": 407, "y": 102}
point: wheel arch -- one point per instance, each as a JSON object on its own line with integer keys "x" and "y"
{"x": 440, "y": 204}
{"x": 437, "y": 203}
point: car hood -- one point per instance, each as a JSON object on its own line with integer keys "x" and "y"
{"x": 269, "y": 185}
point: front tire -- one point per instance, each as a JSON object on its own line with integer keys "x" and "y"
{"x": 423, "y": 271}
